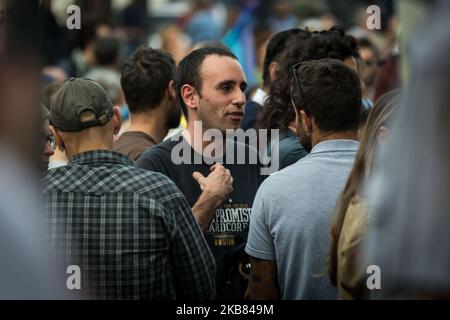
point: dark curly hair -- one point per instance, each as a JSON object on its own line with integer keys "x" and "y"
{"x": 275, "y": 47}
{"x": 334, "y": 43}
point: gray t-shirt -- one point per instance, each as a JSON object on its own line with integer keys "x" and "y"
{"x": 291, "y": 219}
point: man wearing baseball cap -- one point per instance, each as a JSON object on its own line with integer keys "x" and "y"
{"x": 129, "y": 232}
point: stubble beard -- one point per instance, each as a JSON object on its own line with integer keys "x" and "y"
{"x": 305, "y": 139}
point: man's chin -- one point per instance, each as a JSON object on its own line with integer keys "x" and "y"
{"x": 234, "y": 125}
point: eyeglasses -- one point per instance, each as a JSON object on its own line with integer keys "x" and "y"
{"x": 294, "y": 71}
{"x": 49, "y": 139}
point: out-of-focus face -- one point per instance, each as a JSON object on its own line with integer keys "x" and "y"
{"x": 370, "y": 66}
{"x": 47, "y": 149}
{"x": 222, "y": 98}
{"x": 351, "y": 63}
{"x": 281, "y": 8}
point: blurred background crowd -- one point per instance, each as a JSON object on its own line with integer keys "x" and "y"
{"x": 112, "y": 30}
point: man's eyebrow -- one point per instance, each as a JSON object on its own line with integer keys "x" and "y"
{"x": 243, "y": 85}
{"x": 225, "y": 82}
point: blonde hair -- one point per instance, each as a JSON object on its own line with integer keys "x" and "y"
{"x": 379, "y": 116}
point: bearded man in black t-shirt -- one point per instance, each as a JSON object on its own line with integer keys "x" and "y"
{"x": 218, "y": 175}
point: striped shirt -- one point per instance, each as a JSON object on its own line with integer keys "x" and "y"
{"x": 129, "y": 230}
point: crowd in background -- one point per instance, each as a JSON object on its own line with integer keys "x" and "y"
{"x": 109, "y": 35}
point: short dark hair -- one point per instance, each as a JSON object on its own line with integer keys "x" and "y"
{"x": 331, "y": 93}
{"x": 107, "y": 50}
{"x": 275, "y": 46}
{"x": 189, "y": 69}
{"x": 145, "y": 77}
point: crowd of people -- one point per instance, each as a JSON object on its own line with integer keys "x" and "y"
{"x": 149, "y": 191}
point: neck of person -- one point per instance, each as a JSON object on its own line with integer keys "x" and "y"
{"x": 152, "y": 123}
{"x": 318, "y": 137}
{"x": 195, "y": 138}
{"x": 86, "y": 144}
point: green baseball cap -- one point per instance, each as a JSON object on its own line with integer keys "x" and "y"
{"x": 76, "y": 96}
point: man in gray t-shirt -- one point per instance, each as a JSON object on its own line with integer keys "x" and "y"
{"x": 292, "y": 212}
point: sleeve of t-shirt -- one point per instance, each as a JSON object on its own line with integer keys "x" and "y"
{"x": 260, "y": 242}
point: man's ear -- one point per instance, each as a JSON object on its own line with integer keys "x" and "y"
{"x": 189, "y": 96}
{"x": 306, "y": 121}
{"x": 117, "y": 120}
{"x": 274, "y": 67}
{"x": 59, "y": 141}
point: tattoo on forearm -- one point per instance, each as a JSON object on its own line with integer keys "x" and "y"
{"x": 263, "y": 280}
{"x": 263, "y": 270}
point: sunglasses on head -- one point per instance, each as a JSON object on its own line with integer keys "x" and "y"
{"x": 295, "y": 76}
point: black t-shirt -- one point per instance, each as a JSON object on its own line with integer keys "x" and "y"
{"x": 227, "y": 233}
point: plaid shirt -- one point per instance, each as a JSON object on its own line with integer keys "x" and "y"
{"x": 129, "y": 230}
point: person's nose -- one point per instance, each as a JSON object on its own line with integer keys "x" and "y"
{"x": 239, "y": 99}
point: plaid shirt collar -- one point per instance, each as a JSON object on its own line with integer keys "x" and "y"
{"x": 100, "y": 157}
